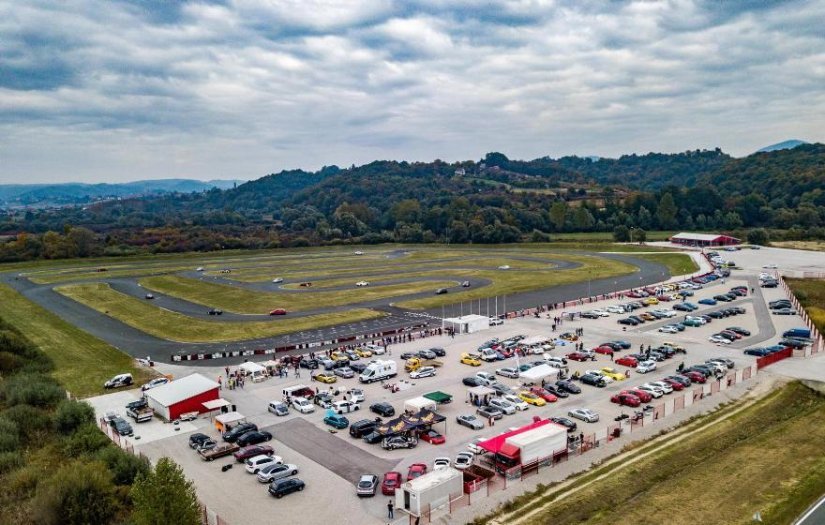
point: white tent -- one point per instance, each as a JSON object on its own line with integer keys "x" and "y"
{"x": 535, "y": 340}
{"x": 467, "y": 324}
{"x": 416, "y": 404}
{"x": 537, "y": 373}
{"x": 254, "y": 370}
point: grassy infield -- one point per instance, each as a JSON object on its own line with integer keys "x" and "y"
{"x": 811, "y": 293}
{"x": 766, "y": 458}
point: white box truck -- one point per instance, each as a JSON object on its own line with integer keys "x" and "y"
{"x": 378, "y": 371}
{"x": 523, "y": 448}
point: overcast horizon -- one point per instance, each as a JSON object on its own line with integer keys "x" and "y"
{"x": 132, "y": 90}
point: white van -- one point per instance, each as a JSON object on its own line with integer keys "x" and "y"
{"x": 488, "y": 354}
{"x": 376, "y": 349}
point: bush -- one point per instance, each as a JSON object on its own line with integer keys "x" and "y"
{"x": 758, "y": 236}
{"x": 124, "y": 467}
{"x": 10, "y": 461}
{"x": 10, "y": 362}
{"x": 32, "y": 389}
{"x": 165, "y": 496}
{"x": 32, "y": 423}
{"x": 87, "y": 439}
{"x": 71, "y": 415}
{"x": 9, "y": 436}
{"x": 77, "y": 494}
{"x": 621, "y": 233}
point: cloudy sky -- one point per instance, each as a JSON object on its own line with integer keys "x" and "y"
{"x": 120, "y": 90}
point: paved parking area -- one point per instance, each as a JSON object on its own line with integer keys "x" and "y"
{"x": 331, "y": 463}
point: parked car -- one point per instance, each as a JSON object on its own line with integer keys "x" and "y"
{"x": 253, "y": 438}
{"x": 122, "y": 426}
{"x": 345, "y": 406}
{"x": 416, "y": 470}
{"x": 336, "y": 421}
{"x": 344, "y": 372}
{"x": 392, "y": 480}
{"x": 367, "y": 485}
{"x": 394, "y": 442}
{"x": 237, "y": 431}
{"x": 510, "y": 372}
{"x": 565, "y": 422}
{"x": 197, "y": 439}
{"x": 626, "y": 400}
{"x": 254, "y": 464}
{"x": 463, "y": 460}
{"x": 593, "y": 380}
{"x": 432, "y": 437}
{"x": 470, "y": 421}
{"x": 424, "y": 371}
{"x": 270, "y": 473}
{"x": 158, "y": 381}
{"x": 286, "y": 486}
{"x": 302, "y": 405}
{"x": 472, "y": 381}
{"x": 488, "y": 412}
{"x": 585, "y": 414}
{"x": 251, "y": 451}
{"x": 383, "y": 409}
{"x": 646, "y": 366}
{"x": 503, "y": 405}
{"x": 118, "y": 381}
{"x": 568, "y": 386}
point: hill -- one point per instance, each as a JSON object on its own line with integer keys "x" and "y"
{"x": 788, "y": 144}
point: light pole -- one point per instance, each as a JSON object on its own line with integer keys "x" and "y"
{"x": 631, "y": 234}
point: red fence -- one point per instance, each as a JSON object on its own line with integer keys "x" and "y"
{"x": 762, "y": 362}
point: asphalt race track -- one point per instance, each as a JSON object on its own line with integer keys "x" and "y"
{"x": 140, "y": 344}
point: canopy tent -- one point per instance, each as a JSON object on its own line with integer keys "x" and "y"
{"x": 226, "y": 421}
{"x": 216, "y": 404}
{"x": 538, "y": 373}
{"x": 535, "y": 340}
{"x": 271, "y": 364}
{"x": 409, "y": 422}
{"x": 466, "y": 324}
{"x": 479, "y": 395}
{"x": 253, "y": 370}
{"x": 439, "y": 397}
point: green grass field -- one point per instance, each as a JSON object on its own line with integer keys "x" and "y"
{"x": 676, "y": 263}
{"x": 178, "y": 327}
{"x": 82, "y": 361}
{"x": 811, "y": 294}
{"x": 766, "y": 458}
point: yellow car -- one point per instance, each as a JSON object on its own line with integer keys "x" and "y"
{"x": 650, "y": 301}
{"x": 613, "y": 374}
{"x": 678, "y": 348}
{"x": 363, "y": 352}
{"x": 531, "y": 398}
{"x": 325, "y": 378}
{"x": 467, "y": 359}
{"x": 339, "y": 356}
{"x": 567, "y": 336}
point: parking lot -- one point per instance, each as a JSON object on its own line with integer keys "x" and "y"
{"x": 330, "y": 463}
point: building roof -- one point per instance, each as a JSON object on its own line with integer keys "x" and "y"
{"x": 700, "y": 236}
{"x": 181, "y": 389}
{"x": 432, "y": 479}
{"x": 467, "y": 318}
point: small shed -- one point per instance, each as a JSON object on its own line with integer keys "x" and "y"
{"x": 254, "y": 371}
{"x": 225, "y": 422}
{"x": 466, "y": 324}
{"x": 430, "y": 492}
{"x": 187, "y": 394}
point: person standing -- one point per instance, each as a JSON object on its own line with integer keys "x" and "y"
{"x": 390, "y": 509}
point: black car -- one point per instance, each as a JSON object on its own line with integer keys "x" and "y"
{"x": 373, "y": 437}
{"x": 215, "y": 311}
{"x": 438, "y": 351}
{"x": 233, "y": 434}
{"x": 472, "y": 381}
{"x": 426, "y": 354}
{"x": 682, "y": 308}
{"x": 637, "y": 319}
{"x": 702, "y": 369}
{"x": 283, "y": 487}
{"x": 757, "y": 352}
{"x": 361, "y": 428}
{"x": 593, "y": 380}
{"x": 794, "y": 343}
{"x": 628, "y": 321}
{"x": 394, "y": 442}
{"x": 323, "y": 399}
{"x": 383, "y": 409}
{"x": 683, "y": 380}
{"x": 563, "y": 421}
{"x": 197, "y": 439}
{"x": 738, "y": 309}
{"x": 568, "y": 387}
{"x": 358, "y": 367}
{"x": 253, "y": 438}
{"x": 716, "y": 315}
{"x": 589, "y": 315}
{"x": 122, "y": 426}
{"x": 558, "y": 392}
{"x": 311, "y": 364}
{"x": 624, "y": 345}
{"x": 408, "y": 355}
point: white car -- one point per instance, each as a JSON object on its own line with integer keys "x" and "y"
{"x": 601, "y": 313}
{"x": 486, "y": 377}
{"x": 302, "y": 405}
{"x": 770, "y": 267}
{"x": 719, "y": 340}
{"x": 362, "y": 283}
{"x": 669, "y": 313}
{"x": 154, "y": 383}
{"x": 255, "y": 464}
{"x": 463, "y": 460}
{"x": 669, "y": 330}
{"x": 652, "y": 390}
{"x": 495, "y": 321}
{"x": 666, "y": 388}
{"x": 694, "y": 318}
{"x": 441, "y": 463}
{"x": 473, "y": 447}
{"x": 355, "y": 394}
{"x": 359, "y": 253}
{"x": 199, "y": 269}
{"x": 646, "y": 366}
{"x": 615, "y": 309}
{"x": 504, "y": 267}
{"x": 424, "y": 371}
{"x": 717, "y": 366}
{"x": 345, "y": 407}
{"x": 503, "y": 405}
{"x": 585, "y": 414}
{"x": 509, "y": 371}
{"x": 277, "y": 280}
{"x": 517, "y": 402}
{"x": 555, "y": 361}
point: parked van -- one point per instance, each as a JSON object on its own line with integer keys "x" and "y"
{"x": 803, "y": 333}
{"x": 361, "y": 428}
{"x": 291, "y": 392}
{"x": 378, "y": 371}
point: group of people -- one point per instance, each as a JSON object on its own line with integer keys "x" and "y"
{"x": 234, "y": 379}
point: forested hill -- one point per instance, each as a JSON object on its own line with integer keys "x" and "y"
{"x": 495, "y": 199}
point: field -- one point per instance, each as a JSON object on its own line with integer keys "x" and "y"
{"x": 766, "y": 458}
{"x": 676, "y": 263}
{"x": 818, "y": 246}
{"x": 177, "y": 327}
{"x": 82, "y": 362}
{"x": 811, "y": 294}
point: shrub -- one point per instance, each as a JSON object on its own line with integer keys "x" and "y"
{"x": 9, "y": 436}
{"x": 10, "y": 362}
{"x": 87, "y": 439}
{"x": 71, "y": 415}
{"x": 165, "y": 496}
{"x": 77, "y": 494}
{"x": 10, "y": 461}
{"x": 32, "y": 389}
{"x": 124, "y": 467}
{"x": 31, "y": 422}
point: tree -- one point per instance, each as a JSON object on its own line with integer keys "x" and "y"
{"x": 79, "y": 493}
{"x": 758, "y": 236}
{"x": 621, "y": 233}
{"x": 666, "y": 213}
{"x": 165, "y": 496}
{"x": 558, "y": 215}
{"x": 583, "y": 220}
{"x": 639, "y": 235}
{"x": 645, "y": 219}
{"x": 70, "y": 415}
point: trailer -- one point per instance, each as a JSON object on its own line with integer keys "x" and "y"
{"x": 429, "y": 492}
{"x": 527, "y": 446}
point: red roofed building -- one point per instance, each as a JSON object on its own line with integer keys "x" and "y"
{"x": 704, "y": 239}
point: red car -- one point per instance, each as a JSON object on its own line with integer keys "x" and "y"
{"x": 578, "y": 356}
{"x": 604, "y": 349}
{"x": 675, "y": 384}
{"x": 626, "y": 400}
{"x": 251, "y": 451}
{"x": 663, "y": 298}
{"x": 696, "y": 377}
{"x": 392, "y": 480}
{"x": 278, "y": 311}
{"x": 544, "y": 394}
{"x": 416, "y": 470}
{"x": 644, "y": 397}
{"x": 432, "y": 437}
{"x": 627, "y": 361}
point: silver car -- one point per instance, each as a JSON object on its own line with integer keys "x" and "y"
{"x": 270, "y": 473}
{"x": 470, "y": 421}
{"x": 585, "y": 414}
{"x": 344, "y": 372}
{"x": 503, "y": 405}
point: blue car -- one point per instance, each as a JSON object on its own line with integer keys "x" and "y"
{"x": 337, "y": 421}
{"x": 708, "y": 301}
